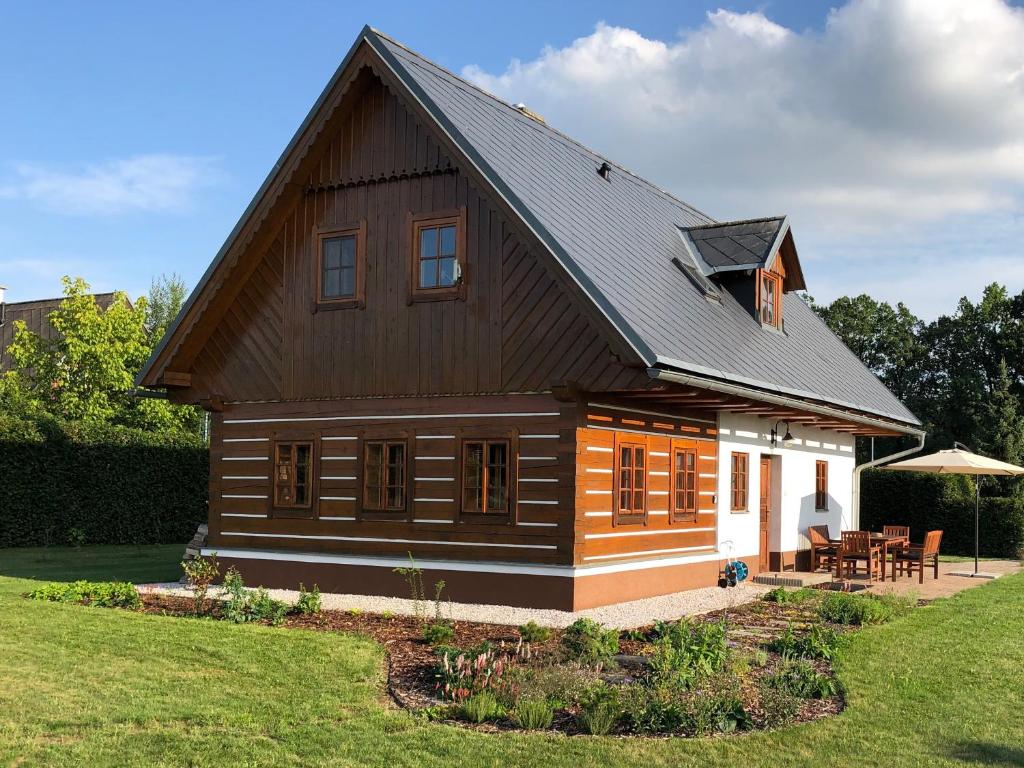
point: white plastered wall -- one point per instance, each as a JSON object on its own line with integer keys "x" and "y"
{"x": 793, "y": 480}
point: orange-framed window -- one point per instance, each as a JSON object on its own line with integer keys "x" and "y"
{"x": 485, "y": 477}
{"x": 684, "y": 485}
{"x": 821, "y": 485}
{"x": 740, "y": 481}
{"x": 631, "y": 481}
{"x": 340, "y": 266}
{"x": 384, "y": 475}
{"x": 293, "y": 475}
{"x": 770, "y": 298}
{"x": 438, "y": 255}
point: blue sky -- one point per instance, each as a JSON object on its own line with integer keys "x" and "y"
{"x": 134, "y": 134}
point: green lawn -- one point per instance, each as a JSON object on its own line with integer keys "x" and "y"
{"x": 93, "y": 686}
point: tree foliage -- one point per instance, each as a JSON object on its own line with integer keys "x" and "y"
{"x": 167, "y": 294}
{"x": 85, "y": 372}
{"x": 962, "y": 374}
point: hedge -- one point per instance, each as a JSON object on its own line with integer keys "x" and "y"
{"x": 72, "y": 484}
{"x": 927, "y": 502}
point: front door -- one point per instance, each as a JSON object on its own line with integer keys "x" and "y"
{"x": 766, "y": 511}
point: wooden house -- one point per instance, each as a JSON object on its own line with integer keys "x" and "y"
{"x": 443, "y": 328}
{"x": 36, "y": 316}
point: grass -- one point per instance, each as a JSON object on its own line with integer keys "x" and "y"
{"x": 93, "y": 686}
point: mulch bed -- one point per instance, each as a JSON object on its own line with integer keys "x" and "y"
{"x": 411, "y": 661}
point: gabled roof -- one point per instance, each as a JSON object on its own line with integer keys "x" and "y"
{"x": 618, "y": 238}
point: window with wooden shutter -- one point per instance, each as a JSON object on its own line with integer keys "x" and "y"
{"x": 821, "y": 485}
{"x": 740, "y": 480}
{"x": 684, "y": 485}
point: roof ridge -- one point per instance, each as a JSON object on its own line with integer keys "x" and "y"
{"x": 59, "y": 298}
{"x": 781, "y": 217}
{"x": 543, "y": 126}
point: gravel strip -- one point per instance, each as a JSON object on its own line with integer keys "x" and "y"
{"x": 636, "y": 613}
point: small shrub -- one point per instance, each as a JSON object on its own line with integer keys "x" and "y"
{"x": 819, "y": 643}
{"x": 236, "y": 606}
{"x": 308, "y": 603}
{"x": 799, "y": 678}
{"x": 562, "y": 684}
{"x": 438, "y": 591}
{"x": 76, "y": 537}
{"x": 532, "y": 632}
{"x": 387, "y": 615}
{"x": 533, "y": 714}
{"x": 359, "y": 612}
{"x": 687, "y": 651}
{"x": 243, "y": 605}
{"x": 413, "y": 576}
{"x": 589, "y": 643}
{"x": 460, "y": 674}
{"x": 102, "y": 594}
{"x": 438, "y": 633}
{"x": 600, "y": 710}
{"x": 262, "y": 607}
{"x": 784, "y": 596}
{"x": 778, "y": 706}
{"x": 200, "y": 573}
{"x": 481, "y": 707}
{"x": 659, "y": 708}
{"x": 719, "y": 709}
{"x": 845, "y": 608}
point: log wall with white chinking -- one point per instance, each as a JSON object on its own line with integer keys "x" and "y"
{"x": 538, "y": 530}
{"x": 601, "y": 537}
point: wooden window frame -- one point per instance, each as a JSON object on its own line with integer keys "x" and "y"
{"x": 421, "y": 221}
{"x": 327, "y": 232}
{"x": 632, "y": 516}
{"x": 384, "y": 435}
{"x": 776, "y": 279}
{"x": 508, "y": 516}
{"x": 308, "y": 509}
{"x": 677, "y": 513}
{"x": 386, "y": 444}
{"x": 821, "y": 485}
{"x": 739, "y": 482}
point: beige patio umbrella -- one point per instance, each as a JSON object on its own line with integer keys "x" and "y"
{"x": 960, "y": 461}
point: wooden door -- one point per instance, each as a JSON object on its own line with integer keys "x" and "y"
{"x": 766, "y": 507}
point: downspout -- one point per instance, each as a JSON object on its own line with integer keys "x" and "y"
{"x": 855, "y": 516}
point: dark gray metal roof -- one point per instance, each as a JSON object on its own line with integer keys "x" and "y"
{"x": 617, "y": 238}
{"x": 743, "y": 244}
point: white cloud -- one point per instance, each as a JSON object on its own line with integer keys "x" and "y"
{"x": 148, "y": 183}
{"x": 899, "y": 117}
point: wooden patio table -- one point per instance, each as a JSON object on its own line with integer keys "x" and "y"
{"x": 877, "y": 540}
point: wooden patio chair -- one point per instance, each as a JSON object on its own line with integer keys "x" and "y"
{"x": 856, "y": 546}
{"x": 917, "y": 556}
{"x": 823, "y": 551}
{"x": 897, "y": 530}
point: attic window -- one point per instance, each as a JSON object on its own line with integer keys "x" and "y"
{"x": 769, "y": 300}
{"x": 439, "y": 255}
{"x": 341, "y": 256}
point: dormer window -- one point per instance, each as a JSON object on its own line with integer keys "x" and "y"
{"x": 769, "y": 300}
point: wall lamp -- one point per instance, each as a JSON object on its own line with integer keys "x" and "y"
{"x": 786, "y": 438}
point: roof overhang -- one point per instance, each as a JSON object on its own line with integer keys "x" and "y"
{"x": 782, "y": 404}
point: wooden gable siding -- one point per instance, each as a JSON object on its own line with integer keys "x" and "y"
{"x": 516, "y": 330}
{"x": 600, "y": 538}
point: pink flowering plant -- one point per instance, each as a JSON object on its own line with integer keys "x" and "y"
{"x": 461, "y": 674}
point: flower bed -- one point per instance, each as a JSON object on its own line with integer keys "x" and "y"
{"x": 761, "y": 665}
